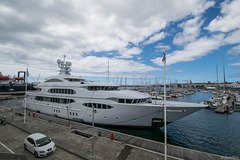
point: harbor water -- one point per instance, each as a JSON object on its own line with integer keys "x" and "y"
{"x": 203, "y": 130}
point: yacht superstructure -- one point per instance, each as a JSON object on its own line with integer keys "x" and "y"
{"x": 73, "y": 98}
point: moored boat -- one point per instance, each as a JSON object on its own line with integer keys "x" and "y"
{"x": 75, "y": 98}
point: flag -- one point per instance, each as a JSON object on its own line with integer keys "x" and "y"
{"x": 27, "y": 73}
{"x": 164, "y": 58}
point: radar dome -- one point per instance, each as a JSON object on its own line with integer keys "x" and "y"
{"x": 69, "y": 63}
{"x": 59, "y": 61}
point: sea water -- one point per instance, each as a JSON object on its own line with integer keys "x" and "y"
{"x": 203, "y": 130}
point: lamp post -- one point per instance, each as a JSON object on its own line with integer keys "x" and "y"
{"x": 93, "y": 110}
{"x": 93, "y": 131}
{"x": 165, "y": 108}
{"x": 25, "y": 98}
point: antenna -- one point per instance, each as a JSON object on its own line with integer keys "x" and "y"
{"x": 65, "y": 67}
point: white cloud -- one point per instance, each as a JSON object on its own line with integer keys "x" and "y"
{"x": 155, "y": 38}
{"x": 193, "y": 50}
{"x": 92, "y": 25}
{"x": 233, "y": 37}
{"x": 128, "y": 53}
{"x": 37, "y": 33}
{"x": 179, "y": 71}
{"x": 230, "y": 18}
{"x": 161, "y": 46}
{"x": 234, "y": 51}
{"x": 234, "y": 64}
{"x": 100, "y": 64}
{"x": 191, "y": 30}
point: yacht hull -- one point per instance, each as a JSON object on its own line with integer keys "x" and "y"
{"x": 137, "y": 115}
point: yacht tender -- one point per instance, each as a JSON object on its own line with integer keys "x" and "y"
{"x": 73, "y": 98}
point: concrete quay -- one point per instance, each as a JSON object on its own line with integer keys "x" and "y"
{"x": 79, "y": 146}
{"x": 11, "y": 95}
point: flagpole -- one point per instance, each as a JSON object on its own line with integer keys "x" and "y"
{"x": 25, "y": 99}
{"x": 165, "y": 108}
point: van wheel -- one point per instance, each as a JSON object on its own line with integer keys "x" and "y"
{"x": 25, "y": 147}
{"x": 35, "y": 154}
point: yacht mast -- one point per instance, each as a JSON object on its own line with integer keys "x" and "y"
{"x": 224, "y": 76}
{"x": 217, "y": 77}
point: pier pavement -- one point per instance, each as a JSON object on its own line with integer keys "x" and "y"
{"x": 79, "y": 146}
{"x": 11, "y": 95}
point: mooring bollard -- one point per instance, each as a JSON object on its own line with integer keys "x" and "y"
{"x": 99, "y": 133}
{"x": 111, "y": 136}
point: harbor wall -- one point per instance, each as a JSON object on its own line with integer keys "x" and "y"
{"x": 121, "y": 147}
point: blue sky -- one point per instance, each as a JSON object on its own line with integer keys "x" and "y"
{"x": 129, "y": 34}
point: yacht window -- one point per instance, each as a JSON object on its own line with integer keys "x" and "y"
{"x": 128, "y": 100}
{"x": 104, "y": 106}
{"x": 54, "y": 100}
{"x": 76, "y": 114}
{"x": 62, "y": 91}
{"x": 74, "y": 79}
{"x": 54, "y": 80}
{"x": 134, "y": 101}
{"x": 102, "y": 88}
{"x": 120, "y": 100}
{"x": 99, "y": 106}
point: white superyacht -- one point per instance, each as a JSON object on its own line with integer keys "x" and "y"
{"x": 73, "y": 98}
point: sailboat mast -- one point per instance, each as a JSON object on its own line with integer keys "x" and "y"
{"x": 224, "y": 76}
{"x": 217, "y": 76}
